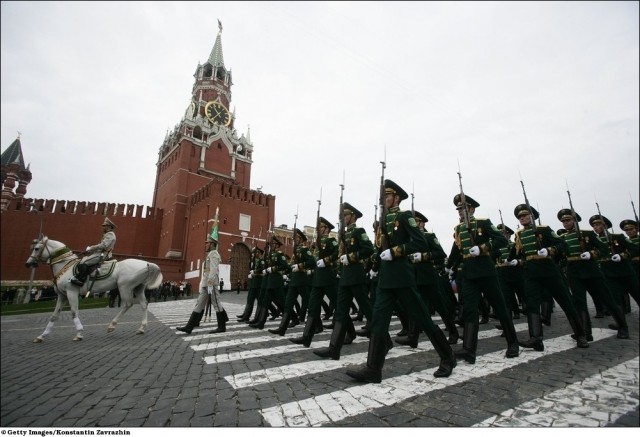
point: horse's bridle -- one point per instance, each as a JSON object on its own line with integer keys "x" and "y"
{"x": 42, "y": 240}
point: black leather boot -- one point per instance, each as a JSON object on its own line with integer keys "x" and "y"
{"x": 586, "y": 325}
{"x": 513, "y": 350}
{"x": 256, "y": 316}
{"x": 451, "y": 328}
{"x": 469, "y": 343}
{"x": 545, "y": 313}
{"x": 447, "y": 357}
{"x": 335, "y": 344}
{"x": 579, "y": 334}
{"x": 200, "y": 314}
{"x": 621, "y": 323}
{"x": 364, "y": 331}
{"x": 222, "y": 320}
{"x": 262, "y": 320}
{"x": 406, "y": 324}
{"x": 295, "y": 320}
{"x": 535, "y": 333}
{"x": 81, "y": 277}
{"x": 411, "y": 339}
{"x": 372, "y": 372}
{"x": 307, "y": 334}
{"x": 351, "y": 332}
{"x": 190, "y": 324}
{"x": 284, "y": 324}
{"x": 246, "y": 315}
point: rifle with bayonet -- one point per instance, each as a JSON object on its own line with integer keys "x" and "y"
{"x": 382, "y": 237}
{"x": 606, "y": 230}
{"x": 463, "y": 199}
{"x": 575, "y": 219}
{"x": 635, "y": 214}
{"x": 533, "y": 217}
{"x": 341, "y": 231}
{"x": 317, "y": 233}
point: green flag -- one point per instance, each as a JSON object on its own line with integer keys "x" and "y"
{"x": 214, "y": 228}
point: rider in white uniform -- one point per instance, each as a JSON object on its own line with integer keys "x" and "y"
{"x": 97, "y": 253}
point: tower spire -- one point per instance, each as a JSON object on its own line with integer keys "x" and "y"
{"x": 215, "y": 58}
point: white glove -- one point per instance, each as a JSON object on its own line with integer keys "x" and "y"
{"x": 88, "y": 249}
{"x": 416, "y": 257}
{"x": 386, "y": 255}
{"x": 373, "y": 274}
{"x": 268, "y": 269}
{"x": 543, "y": 252}
{"x": 585, "y": 255}
{"x": 616, "y": 258}
{"x": 285, "y": 278}
{"x": 514, "y": 262}
{"x": 309, "y": 272}
{"x": 448, "y": 271}
{"x": 474, "y": 251}
{"x": 210, "y": 289}
{"x": 294, "y": 268}
{"x": 252, "y": 272}
{"x": 321, "y": 264}
{"x": 250, "y": 275}
{"x": 344, "y": 259}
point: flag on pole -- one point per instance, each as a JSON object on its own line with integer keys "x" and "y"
{"x": 214, "y": 227}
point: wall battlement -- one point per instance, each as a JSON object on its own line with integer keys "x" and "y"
{"x": 69, "y": 207}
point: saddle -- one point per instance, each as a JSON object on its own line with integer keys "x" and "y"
{"x": 99, "y": 271}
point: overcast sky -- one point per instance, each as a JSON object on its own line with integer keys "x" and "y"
{"x": 546, "y": 92}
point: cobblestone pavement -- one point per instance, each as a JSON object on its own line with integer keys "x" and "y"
{"x": 250, "y": 378}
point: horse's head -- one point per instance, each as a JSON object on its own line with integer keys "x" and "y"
{"x": 38, "y": 252}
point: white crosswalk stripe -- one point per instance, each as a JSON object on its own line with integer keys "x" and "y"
{"x": 594, "y": 401}
{"x": 335, "y": 406}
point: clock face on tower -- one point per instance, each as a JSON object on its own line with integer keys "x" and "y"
{"x": 217, "y": 113}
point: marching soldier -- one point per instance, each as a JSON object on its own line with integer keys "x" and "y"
{"x": 399, "y": 238}
{"x": 255, "y": 282}
{"x": 324, "y": 281}
{"x": 273, "y": 291}
{"x": 630, "y": 227}
{"x": 96, "y": 254}
{"x": 534, "y": 248}
{"x": 584, "y": 274}
{"x": 355, "y": 250}
{"x": 429, "y": 285}
{"x": 208, "y": 287}
{"x": 476, "y": 241}
{"x": 302, "y": 260}
{"x": 620, "y": 276}
{"x": 511, "y": 277}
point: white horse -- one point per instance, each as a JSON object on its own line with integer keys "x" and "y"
{"x": 131, "y": 276}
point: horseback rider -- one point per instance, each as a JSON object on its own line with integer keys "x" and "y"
{"x": 96, "y": 254}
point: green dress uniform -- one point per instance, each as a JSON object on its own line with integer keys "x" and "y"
{"x": 585, "y": 275}
{"x": 620, "y": 276}
{"x": 302, "y": 260}
{"x": 479, "y": 276}
{"x": 272, "y": 283}
{"x": 511, "y": 277}
{"x": 633, "y": 243}
{"x": 255, "y": 281}
{"x": 429, "y": 286}
{"x": 324, "y": 283}
{"x": 396, "y": 280}
{"x": 354, "y": 251}
{"x": 534, "y": 249}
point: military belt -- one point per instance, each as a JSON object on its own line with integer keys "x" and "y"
{"x": 530, "y": 257}
{"x": 574, "y": 258}
{"x": 471, "y": 256}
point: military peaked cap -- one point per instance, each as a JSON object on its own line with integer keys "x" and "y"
{"x": 566, "y": 213}
{"x": 276, "y": 240}
{"x": 624, "y": 224}
{"x": 108, "y": 222}
{"x": 599, "y": 219}
{"x": 457, "y": 201}
{"x": 347, "y": 207}
{"x": 522, "y": 209}
{"x": 391, "y": 187}
{"x": 507, "y": 228}
{"x": 327, "y": 223}
{"x": 420, "y": 217}
{"x": 300, "y": 234}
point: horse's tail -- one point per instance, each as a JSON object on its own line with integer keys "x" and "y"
{"x": 155, "y": 277}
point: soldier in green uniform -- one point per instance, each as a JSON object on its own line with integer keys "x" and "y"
{"x": 301, "y": 261}
{"x": 534, "y": 249}
{"x": 324, "y": 283}
{"x": 630, "y": 227}
{"x": 621, "y": 278}
{"x": 511, "y": 277}
{"x": 475, "y": 244}
{"x": 429, "y": 285}
{"x": 255, "y": 281}
{"x": 276, "y": 265}
{"x": 354, "y": 251}
{"x": 399, "y": 237}
{"x": 585, "y": 275}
